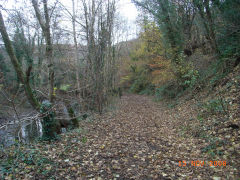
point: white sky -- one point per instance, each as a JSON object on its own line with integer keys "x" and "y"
{"x": 127, "y": 11}
{"x": 127, "y": 8}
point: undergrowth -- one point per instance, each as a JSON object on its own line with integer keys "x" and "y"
{"x": 24, "y": 155}
{"x": 32, "y": 158}
{"x": 204, "y": 127}
{"x": 191, "y": 81}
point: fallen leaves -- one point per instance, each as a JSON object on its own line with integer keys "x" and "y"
{"x": 140, "y": 140}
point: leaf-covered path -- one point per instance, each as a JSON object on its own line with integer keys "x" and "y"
{"x": 139, "y": 141}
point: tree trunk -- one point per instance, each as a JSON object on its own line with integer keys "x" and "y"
{"x": 211, "y": 26}
{"x": 45, "y": 25}
{"x": 207, "y": 22}
{"x": 76, "y": 47}
{"x": 24, "y": 79}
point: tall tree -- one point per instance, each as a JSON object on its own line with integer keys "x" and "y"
{"x": 24, "y": 78}
{"x": 99, "y": 21}
{"x": 75, "y": 44}
{"x": 165, "y": 15}
{"x": 204, "y": 10}
{"x": 45, "y": 25}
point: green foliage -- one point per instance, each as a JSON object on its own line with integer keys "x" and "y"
{"x": 49, "y": 122}
{"x": 74, "y": 120}
{"x": 150, "y": 42}
{"x": 84, "y": 139}
{"x": 190, "y": 78}
{"x": 229, "y": 37}
{"x": 169, "y": 90}
{"x": 211, "y": 149}
{"x": 215, "y": 106}
{"x": 152, "y": 39}
{"x": 146, "y": 60}
{"x": 23, "y": 155}
{"x": 19, "y": 42}
{"x": 65, "y": 87}
{"x": 218, "y": 70}
{"x": 138, "y": 85}
{"x": 186, "y": 77}
{"x": 133, "y": 68}
{"x": 214, "y": 74}
{"x": 23, "y": 47}
{"x": 3, "y": 65}
{"x": 185, "y": 72}
{"x": 217, "y": 78}
{"x": 168, "y": 21}
{"x": 149, "y": 90}
{"x": 140, "y": 81}
{"x": 213, "y": 25}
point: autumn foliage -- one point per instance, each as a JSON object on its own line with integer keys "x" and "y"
{"x": 148, "y": 66}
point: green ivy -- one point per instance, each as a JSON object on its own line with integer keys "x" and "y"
{"x": 49, "y": 122}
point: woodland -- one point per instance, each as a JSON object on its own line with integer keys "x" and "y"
{"x": 79, "y": 100}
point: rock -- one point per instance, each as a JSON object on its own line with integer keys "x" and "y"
{"x": 62, "y": 115}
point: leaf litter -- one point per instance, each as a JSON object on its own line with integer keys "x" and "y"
{"x": 140, "y": 139}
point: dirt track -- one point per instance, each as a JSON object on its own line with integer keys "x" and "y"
{"x": 138, "y": 141}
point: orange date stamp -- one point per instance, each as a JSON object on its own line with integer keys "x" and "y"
{"x": 199, "y": 163}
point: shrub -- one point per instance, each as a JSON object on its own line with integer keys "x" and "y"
{"x": 49, "y": 122}
{"x": 149, "y": 90}
{"x": 186, "y": 75}
{"x": 72, "y": 114}
{"x": 138, "y": 86}
{"x": 215, "y": 106}
{"x": 190, "y": 78}
{"x": 140, "y": 80}
{"x": 169, "y": 90}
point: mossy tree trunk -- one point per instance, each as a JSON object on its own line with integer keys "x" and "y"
{"x": 24, "y": 78}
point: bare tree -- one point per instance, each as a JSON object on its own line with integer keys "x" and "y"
{"x": 75, "y": 44}
{"x": 99, "y": 21}
{"x": 45, "y": 25}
